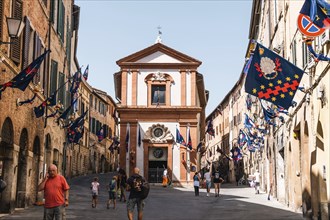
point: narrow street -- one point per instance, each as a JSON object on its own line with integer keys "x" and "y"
{"x": 235, "y": 202}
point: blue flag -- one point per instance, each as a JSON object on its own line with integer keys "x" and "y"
{"x": 101, "y": 134}
{"x": 22, "y": 80}
{"x": 241, "y": 138}
{"x": 85, "y": 75}
{"x": 189, "y": 144}
{"x": 210, "y": 129}
{"x": 248, "y": 122}
{"x": 50, "y": 101}
{"x": 76, "y": 129}
{"x": 236, "y": 153}
{"x": 127, "y": 138}
{"x": 199, "y": 146}
{"x": 179, "y": 138}
{"x": 272, "y": 78}
{"x": 139, "y": 137}
{"x": 318, "y": 11}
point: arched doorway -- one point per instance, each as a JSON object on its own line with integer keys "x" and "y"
{"x": 6, "y": 164}
{"x": 22, "y": 170}
{"x": 35, "y": 167}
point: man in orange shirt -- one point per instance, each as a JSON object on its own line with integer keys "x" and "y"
{"x": 56, "y": 193}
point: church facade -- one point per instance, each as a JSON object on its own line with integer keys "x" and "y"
{"x": 160, "y": 93}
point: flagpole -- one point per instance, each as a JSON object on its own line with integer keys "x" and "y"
{"x": 188, "y": 154}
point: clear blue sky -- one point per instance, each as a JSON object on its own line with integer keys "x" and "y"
{"x": 214, "y": 32}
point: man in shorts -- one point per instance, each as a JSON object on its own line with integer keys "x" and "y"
{"x": 135, "y": 183}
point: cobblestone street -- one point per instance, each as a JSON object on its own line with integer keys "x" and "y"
{"x": 235, "y": 202}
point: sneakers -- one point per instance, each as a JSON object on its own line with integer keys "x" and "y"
{"x": 207, "y": 195}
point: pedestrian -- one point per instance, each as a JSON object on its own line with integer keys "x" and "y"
{"x": 165, "y": 179}
{"x": 135, "y": 183}
{"x": 95, "y": 187}
{"x": 217, "y": 180}
{"x": 197, "y": 180}
{"x": 56, "y": 194}
{"x": 257, "y": 181}
{"x": 112, "y": 189}
{"x": 207, "y": 177}
{"x": 3, "y": 185}
{"x": 122, "y": 184}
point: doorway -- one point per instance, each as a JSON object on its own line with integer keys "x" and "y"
{"x": 157, "y": 164}
{"x": 156, "y": 169}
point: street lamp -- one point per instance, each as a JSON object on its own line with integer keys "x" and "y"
{"x": 15, "y": 27}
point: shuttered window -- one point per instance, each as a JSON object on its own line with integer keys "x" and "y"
{"x": 60, "y": 20}
{"x": 15, "y": 49}
{"x": 27, "y": 36}
{"x": 53, "y": 77}
{"x": 61, "y": 92}
{"x": 68, "y": 44}
{"x": 36, "y": 53}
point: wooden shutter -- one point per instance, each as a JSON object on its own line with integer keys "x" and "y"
{"x": 61, "y": 92}
{"x": 36, "y": 53}
{"x": 60, "y": 21}
{"x": 27, "y": 31}
{"x": 68, "y": 45}
{"x": 53, "y": 77}
{"x": 15, "y": 49}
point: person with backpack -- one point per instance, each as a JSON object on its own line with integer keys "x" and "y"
{"x": 139, "y": 189}
{"x": 112, "y": 188}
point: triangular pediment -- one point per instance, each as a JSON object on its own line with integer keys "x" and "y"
{"x": 158, "y": 57}
{"x": 158, "y": 54}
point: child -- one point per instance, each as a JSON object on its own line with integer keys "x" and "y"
{"x": 112, "y": 188}
{"x": 95, "y": 187}
{"x": 196, "y": 183}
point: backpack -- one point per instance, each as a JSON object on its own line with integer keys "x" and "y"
{"x": 3, "y": 185}
{"x": 142, "y": 186}
{"x": 145, "y": 190}
{"x": 112, "y": 185}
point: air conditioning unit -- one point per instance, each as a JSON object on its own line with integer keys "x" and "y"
{"x": 325, "y": 37}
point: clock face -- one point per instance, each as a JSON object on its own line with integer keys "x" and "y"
{"x": 158, "y": 153}
{"x": 158, "y": 132}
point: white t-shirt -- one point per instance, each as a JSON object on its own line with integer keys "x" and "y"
{"x": 257, "y": 176}
{"x": 165, "y": 172}
{"x": 95, "y": 187}
{"x": 207, "y": 176}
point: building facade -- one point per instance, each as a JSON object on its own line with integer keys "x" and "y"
{"x": 28, "y": 144}
{"x": 293, "y": 158}
{"x": 160, "y": 91}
